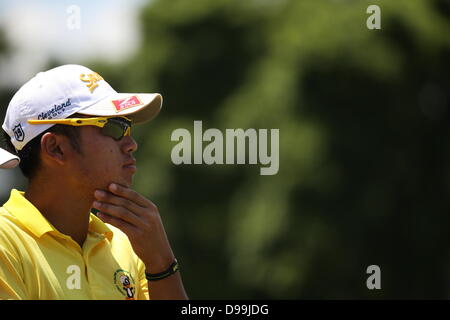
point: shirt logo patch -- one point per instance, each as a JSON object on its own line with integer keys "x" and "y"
{"x": 91, "y": 79}
{"x": 18, "y": 133}
{"x": 125, "y": 284}
{"x": 122, "y": 104}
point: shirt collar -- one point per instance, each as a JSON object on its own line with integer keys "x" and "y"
{"x": 33, "y": 220}
{"x": 98, "y": 226}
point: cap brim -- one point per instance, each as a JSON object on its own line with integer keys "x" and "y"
{"x": 8, "y": 160}
{"x": 139, "y": 107}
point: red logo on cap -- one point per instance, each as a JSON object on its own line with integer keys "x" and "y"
{"x": 122, "y": 104}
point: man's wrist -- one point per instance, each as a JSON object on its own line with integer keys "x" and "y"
{"x": 158, "y": 263}
{"x": 173, "y": 268}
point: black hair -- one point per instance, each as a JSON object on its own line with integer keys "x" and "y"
{"x": 30, "y": 159}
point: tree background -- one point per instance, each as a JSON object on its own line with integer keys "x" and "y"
{"x": 363, "y": 116}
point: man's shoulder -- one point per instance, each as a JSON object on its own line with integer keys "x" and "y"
{"x": 11, "y": 230}
{"x": 7, "y": 217}
{"x": 7, "y": 220}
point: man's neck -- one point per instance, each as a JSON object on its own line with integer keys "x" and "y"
{"x": 67, "y": 210}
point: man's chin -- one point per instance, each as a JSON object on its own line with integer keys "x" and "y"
{"x": 126, "y": 182}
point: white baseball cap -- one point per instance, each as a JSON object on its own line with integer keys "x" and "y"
{"x": 66, "y": 90}
{"x": 8, "y": 160}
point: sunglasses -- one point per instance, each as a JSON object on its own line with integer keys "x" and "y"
{"x": 114, "y": 127}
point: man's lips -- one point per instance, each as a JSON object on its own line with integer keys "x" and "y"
{"x": 130, "y": 164}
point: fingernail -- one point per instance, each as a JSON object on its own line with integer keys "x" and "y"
{"x": 96, "y": 204}
{"x": 113, "y": 186}
{"x": 99, "y": 193}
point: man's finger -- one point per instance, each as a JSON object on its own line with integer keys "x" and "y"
{"x": 104, "y": 196}
{"x": 118, "y": 212}
{"x": 131, "y": 195}
{"x": 118, "y": 223}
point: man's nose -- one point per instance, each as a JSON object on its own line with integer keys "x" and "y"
{"x": 129, "y": 144}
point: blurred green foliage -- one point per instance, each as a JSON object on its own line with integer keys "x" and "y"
{"x": 364, "y": 144}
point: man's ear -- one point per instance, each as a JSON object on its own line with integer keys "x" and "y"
{"x": 55, "y": 148}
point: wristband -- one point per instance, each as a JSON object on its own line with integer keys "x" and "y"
{"x": 173, "y": 268}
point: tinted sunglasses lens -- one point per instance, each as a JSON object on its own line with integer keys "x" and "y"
{"x": 115, "y": 128}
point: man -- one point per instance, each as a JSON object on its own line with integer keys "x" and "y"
{"x": 72, "y": 132}
{"x": 8, "y": 160}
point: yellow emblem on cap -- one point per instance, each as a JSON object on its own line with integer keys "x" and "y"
{"x": 92, "y": 80}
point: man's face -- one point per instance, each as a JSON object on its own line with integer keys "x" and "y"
{"x": 104, "y": 160}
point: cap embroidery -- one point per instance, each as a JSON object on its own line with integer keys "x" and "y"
{"x": 18, "y": 133}
{"x": 92, "y": 80}
{"x": 55, "y": 111}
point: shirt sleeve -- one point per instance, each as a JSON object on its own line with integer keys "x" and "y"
{"x": 142, "y": 282}
{"x": 12, "y": 286}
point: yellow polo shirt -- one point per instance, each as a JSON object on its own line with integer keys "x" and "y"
{"x": 39, "y": 262}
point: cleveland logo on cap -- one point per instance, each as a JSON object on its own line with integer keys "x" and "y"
{"x": 92, "y": 80}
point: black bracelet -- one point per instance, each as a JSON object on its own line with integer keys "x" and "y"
{"x": 174, "y": 267}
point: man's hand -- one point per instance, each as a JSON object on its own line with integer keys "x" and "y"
{"x": 140, "y": 220}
